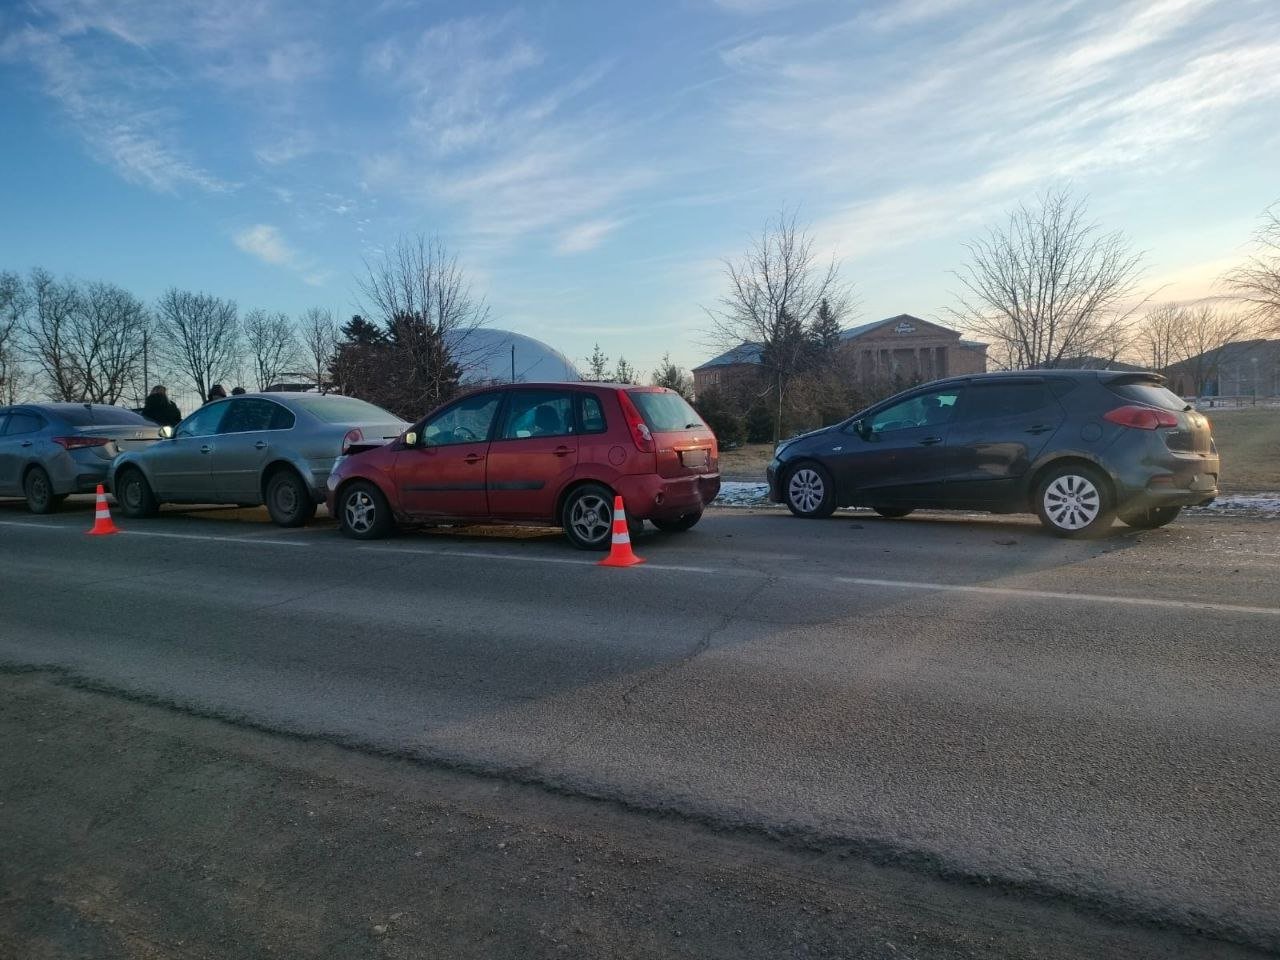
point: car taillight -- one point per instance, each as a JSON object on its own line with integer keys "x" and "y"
{"x": 1141, "y": 418}
{"x": 354, "y": 435}
{"x": 640, "y": 433}
{"x": 77, "y": 443}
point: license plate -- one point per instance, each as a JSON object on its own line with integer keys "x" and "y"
{"x": 695, "y": 459}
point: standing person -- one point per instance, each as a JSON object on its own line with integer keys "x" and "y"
{"x": 216, "y": 392}
{"x": 237, "y": 391}
{"x": 160, "y": 409}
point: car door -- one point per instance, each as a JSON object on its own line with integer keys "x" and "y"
{"x": 1000, "y": 428}
{"x": 244, "y": 445}
{"x": 19, "y": 434}
{"x": 534, "y": 453}
{"x": 7, "y": 472}
{"x": 180, "y": 466}
{"x": 899, "y": 452}
{"x": 443, "y": 474}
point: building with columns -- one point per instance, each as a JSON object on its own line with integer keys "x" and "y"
{"x": 897, "y": 350}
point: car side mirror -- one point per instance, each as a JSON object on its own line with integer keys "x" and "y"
{"x": 166, "y": 432}
{"x": 861, "y": 429}
{"x": 411, "y": 439}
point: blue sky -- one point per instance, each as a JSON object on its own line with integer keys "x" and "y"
{"x": 592, "y": 162}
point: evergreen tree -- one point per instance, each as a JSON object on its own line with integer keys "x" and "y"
{"x": 597, "y": 365}
{"x": 624, "y": 372}
{"x": 825, "y": 329}
{"x": 360, "y": 331}
{"x": 673, "y": 378}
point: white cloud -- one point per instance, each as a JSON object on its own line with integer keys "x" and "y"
{"x": 265, "y": 242}
{"x": 586, "y": 236}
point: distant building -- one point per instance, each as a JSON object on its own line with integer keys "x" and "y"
{"x": 901, "y": 349}
{"x": 1247, "y": 369}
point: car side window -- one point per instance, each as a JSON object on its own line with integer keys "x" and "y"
{"x": 20, "y": 423}
{"x": 995, "y": 400}
{"x": 923, "y": 410}
{"x": 282, "y": 417}
{"x": 537, "y": 413}
{"x": 467, "y": 421}
{"x": 249, "y": 415}
{"x": 591, "y": 414}
{"x": 203, "y": 423}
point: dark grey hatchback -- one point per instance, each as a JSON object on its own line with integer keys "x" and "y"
{"x": 1077, "y": 447}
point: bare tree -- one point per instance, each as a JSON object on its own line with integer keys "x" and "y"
{"x": 1201, "y": 334}
{"x": 107, "y": 337}
{"x": 200, "y": 335}
{"x": 1257, "y": 281}
{"x": 1158, "y": 335}
{"x": 319, "y": 344}
{"x": 775, "y": 292}
{"x": 1048, "y": 286}
{"x": 14, "y": 303}
{"x": 47, "y": 332}
{"x": 272, "y": 342}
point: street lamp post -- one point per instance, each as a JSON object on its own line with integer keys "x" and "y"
{"x": 1255, "y": 380}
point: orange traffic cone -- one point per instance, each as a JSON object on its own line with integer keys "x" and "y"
{"x": 102, "y": 517}
{"x": 620, "y": 554}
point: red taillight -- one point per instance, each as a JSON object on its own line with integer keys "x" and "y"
{"x": 77, "y": 443}
{"x": 640, "y": 433}
{"x": 1141, "y": 418}
{"x": 354, "y": 435}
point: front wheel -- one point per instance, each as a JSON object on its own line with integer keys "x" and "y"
{"x": 810, "y": 492}
{"x": 289, "y": 501}
{"x": 39, "y": 491}
{"x": 1150, "y": 518}
{"x": 587, "y": 517}
{"x": 134, "y": 494}
{"x": 680, "y": 524}
{"x": 363, "y": 512}
{"x": 1074, "y": 501}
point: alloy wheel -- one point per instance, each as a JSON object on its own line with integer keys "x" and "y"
{"x": 806, "y": 490}
{"x": 1072, "y": 502}
{"x": 360, "y": 512}
{"x": 591, "y": 518}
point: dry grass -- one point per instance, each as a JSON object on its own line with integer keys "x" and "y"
{"x": 1248, "y": 440}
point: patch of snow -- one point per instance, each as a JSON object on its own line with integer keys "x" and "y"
{"x": 739, "y": 493}
{"x": 1254, "y": 505}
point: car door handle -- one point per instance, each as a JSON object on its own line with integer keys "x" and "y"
{"x": 206, "y": 449}
{"x": 1039, "y": 428}
{"x": 26, "y": 443}
{"x": 562, "y": 451}
{"x": 930, "y": 441}
{"x": 472, "y": 458}
{"x": 260, "y": 445}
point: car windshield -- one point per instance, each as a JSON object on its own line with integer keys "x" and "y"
{"x": 332, "y": 409}
{"x": 100, "y": 415}
{"x": 1152, "y": 394}
{"x": 665, "y": 412}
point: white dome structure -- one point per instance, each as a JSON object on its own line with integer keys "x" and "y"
{"x": 486, "y": 355}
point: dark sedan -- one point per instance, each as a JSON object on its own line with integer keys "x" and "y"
{"x": 1077, "y": 448}
{"x": 50, "y": 450}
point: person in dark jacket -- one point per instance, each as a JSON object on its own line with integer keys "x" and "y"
{"x": 216, "y": 392}
{"x": 160, "y": 409}
{"x": 237, "y": 391}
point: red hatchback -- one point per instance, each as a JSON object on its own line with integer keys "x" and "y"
{"x": 553, "y": 453}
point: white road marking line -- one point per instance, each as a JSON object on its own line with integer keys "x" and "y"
{"x": 157, "y": 533}
{"x": 1053, "y": 595}
{"x": 37, "y": 526}
{"x": 537, "y": 559}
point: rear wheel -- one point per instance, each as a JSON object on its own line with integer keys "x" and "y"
{"x": 1150, "y": 518}
{"x": 810, "y": 491}
{"x": 680, "y": 524}
{"x": 288, "y": 500}
{"x": 894, "y": 513}
{"x": 363, "y": 512}
{"x": 1074, "y": 501}
{"x": 39, "y": 490}
{"x": 134, "y": 494}
{"x": 587, "y": 517}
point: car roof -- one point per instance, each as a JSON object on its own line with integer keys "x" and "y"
{"x": 995, "y": 376}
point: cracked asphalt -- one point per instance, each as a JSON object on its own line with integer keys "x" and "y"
{"x": 1093, "y": 724}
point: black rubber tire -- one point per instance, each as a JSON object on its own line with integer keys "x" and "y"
{"x": 576, "y": 517}
{"x": 134, "y": 495}
{"x": 289, "y": 500}
{"x": 680, "y": 524}
{"x": 1096, "y": 494}
{"x": 819, "y": 482}
{"x": 894, "y": 513}
{"x": 367, "y": 498}
{"x": 1150, "y": 518}
{"x": 38, "y": 489}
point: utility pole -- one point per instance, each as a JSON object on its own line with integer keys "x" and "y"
{"x": 513, "y": 362}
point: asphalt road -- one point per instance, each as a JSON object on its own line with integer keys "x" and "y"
{"x": 1093, "y": 722}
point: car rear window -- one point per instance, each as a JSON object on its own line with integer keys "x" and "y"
{"x": 665, "y": 412}
{"x": 341, "y": 409}
{"x": 1152, "y": 394}
{"x": 101, "y": 415}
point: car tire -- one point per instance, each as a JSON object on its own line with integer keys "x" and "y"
{"x": 1151, "y": 518}
{"x": 38, "y": 489}
{"x": 363, "y": 512}
{"x": 289, "y": 501}
{"x": 809, "y": 491}
{"x": 1074, "y": 501}
{"x": 587, "y": 517}
{"x": 134, "y": 495}
{"x": 680, "y": 524}
{"x": 894, "y": 513}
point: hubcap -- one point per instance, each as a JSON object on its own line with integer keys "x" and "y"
{"x": 806, "y": 490}
{"x": 1072, "y": 502}
{"x": 286, "y": 498}
{"x": 39, "y": 489}
{"x": 360, "y": 512}
{"x": 591, "y": 518}
{"x": 133, "y": 492}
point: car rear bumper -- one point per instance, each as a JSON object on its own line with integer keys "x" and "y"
{"x": 1165, "y": 479}
{"x": 647, "y": 496}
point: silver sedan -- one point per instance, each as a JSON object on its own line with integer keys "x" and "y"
{"x": 272, "y": 448}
